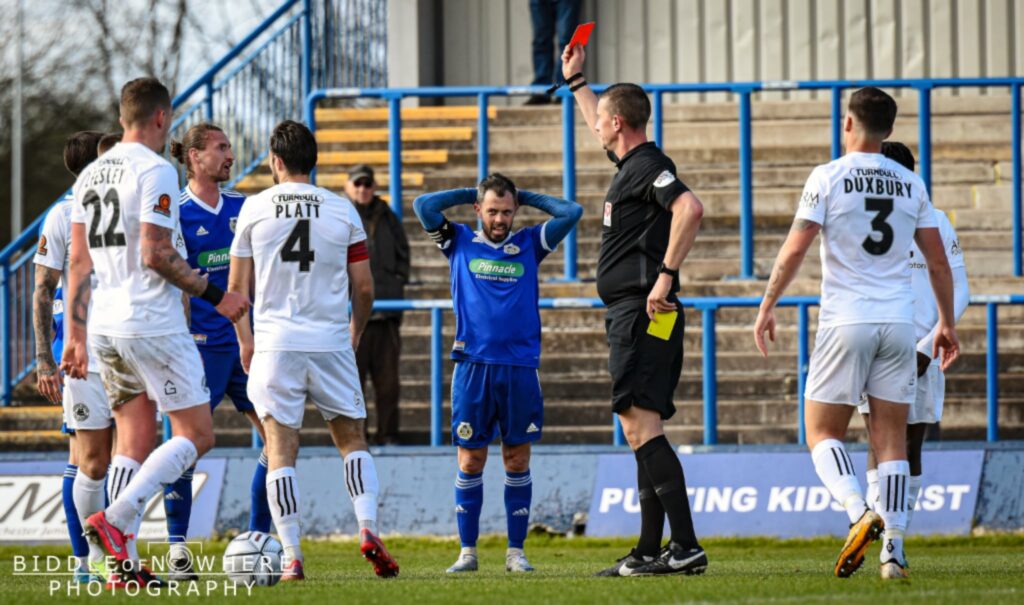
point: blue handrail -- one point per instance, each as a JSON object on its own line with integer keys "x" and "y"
{"x": 708, "y": 308}
{"x": 743, "y": 89}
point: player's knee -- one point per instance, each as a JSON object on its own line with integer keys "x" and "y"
{"x": 471, "y": 461}
{"x": 94, "y": 467}
{"x": 517, "y": 461}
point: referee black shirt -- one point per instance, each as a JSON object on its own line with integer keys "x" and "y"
{"x": 636, "y": 224}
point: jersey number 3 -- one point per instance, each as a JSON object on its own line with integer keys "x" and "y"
{"x": 883, "y": 206}
{"x": 296, "y": 247}
{"x": 110, "y": 237}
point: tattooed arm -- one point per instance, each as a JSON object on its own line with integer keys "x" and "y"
{"x": 791, "y": 256}
{"x": 75, "y": 361}
{"x": 47, "y": 377}
{"x": 160, "y": 255}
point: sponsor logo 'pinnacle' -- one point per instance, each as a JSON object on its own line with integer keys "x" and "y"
{"x": 496, "y": 267}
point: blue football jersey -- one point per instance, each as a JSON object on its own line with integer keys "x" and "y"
{"x": 208, "y": 233}
{"x": 495, "y": 292}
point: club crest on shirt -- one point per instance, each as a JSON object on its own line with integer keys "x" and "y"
{"x": 511, "y": 249}
{"x": 163, "y": 205}
{"x": 464, "y": 430}
{"x": 41, "y": 250}
{"x": 664, "y": 179}
{"x": 232, "y": 222}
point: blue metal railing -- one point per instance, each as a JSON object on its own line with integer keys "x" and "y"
{"x": 708, "y": 308}
{"x": 743, "y": 90}
{"x": 260, "y": 81}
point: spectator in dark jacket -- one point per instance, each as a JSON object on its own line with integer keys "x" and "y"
{"x": 381, "y": 345}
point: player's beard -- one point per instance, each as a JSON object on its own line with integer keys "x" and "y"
{"x": 489, "y": 232}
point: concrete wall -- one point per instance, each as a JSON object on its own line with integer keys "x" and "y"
{"x": 488, "y": 41}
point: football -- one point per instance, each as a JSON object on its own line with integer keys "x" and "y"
{"x": 253, "y": 558}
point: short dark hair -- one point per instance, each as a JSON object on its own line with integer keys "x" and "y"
{"x": 195, "y": 138}
{"x": 900, "y": 153}
{"x": 80, "y": 150}
{"x": 295, "y": 145}
{"x": 499, "y": 184}
{"x": 107, "y": 142}
{"x": 629, "y": 101}
{"x": 141, "y": 97}
{"x": 874, "y": 109}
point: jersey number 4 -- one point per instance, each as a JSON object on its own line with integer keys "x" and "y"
{"x": 296, "y": 247}
{"x": 883, "y": 206}
{"x": 110, "y": 237}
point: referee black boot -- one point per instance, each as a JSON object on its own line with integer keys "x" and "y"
{"x": 626, "y": 566}
{"x": 674, "y": 559}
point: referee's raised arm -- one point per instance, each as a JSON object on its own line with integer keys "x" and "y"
{"x": 573, "y": 57}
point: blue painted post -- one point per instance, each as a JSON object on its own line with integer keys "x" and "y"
{"x": 1018, "y": 270}
{"x": 307, "y": 47}
{"x": 802, "y": 357}
{"x": 482, "y": 142}
{"x": 395, "y": 153}
{"x": 257, "y": 441}
{"x": 436, "y": 374}
{"x": 659, "y": 120}
{"x": 167, "y": 428}
{"x": 924, "y": 134}
{"x": 710, "y": 375}
{"x": 837, "y": 122}
{"x": 5, "y": 332}
{"x": 992, "y": 370}
{"x": 746, "y": 190}
{"x": 208, "y": 102}
{"x": 618, "y": 437}
{"x": 569, "y": 178}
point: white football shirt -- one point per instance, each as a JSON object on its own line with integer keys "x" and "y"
{"x": 926, "y": 312}
{"x": 298, "y": 236}
{"x": 869, "y": 208}
{"x": 54, "y": 250}
{"x": 127, "y": 186}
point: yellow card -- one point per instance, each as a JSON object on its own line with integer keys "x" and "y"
{"x": 662, "y": 325}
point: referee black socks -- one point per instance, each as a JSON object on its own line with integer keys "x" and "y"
{"x": 652, "y": 513}
{"x": 666, "y": 475}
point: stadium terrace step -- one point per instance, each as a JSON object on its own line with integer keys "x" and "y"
{"x": 340, "y": 116}
{"x": 329, "y": 159}
{"x": 256, "y": 182}
{"x": 380, "y": 135}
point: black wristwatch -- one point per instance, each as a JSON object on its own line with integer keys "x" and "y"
{"x": 673, "y": 272}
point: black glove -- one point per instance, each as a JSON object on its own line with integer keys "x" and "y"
{"x": 923, "y": 361}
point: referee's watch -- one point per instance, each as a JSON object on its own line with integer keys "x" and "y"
{"x": 672, "y": 272}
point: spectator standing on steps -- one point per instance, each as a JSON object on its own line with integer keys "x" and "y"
{"x": 381, "y": 345}
{"x": 547, "y": 18}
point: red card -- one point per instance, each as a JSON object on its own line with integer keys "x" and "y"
{"x": 582, "y": 34}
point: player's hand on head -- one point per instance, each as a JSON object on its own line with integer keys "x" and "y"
{"x": 233, "y": 306}
{"x": 572, "y": 60}
{"x": 765, "y": 323}
{"x": 49, "y": 383}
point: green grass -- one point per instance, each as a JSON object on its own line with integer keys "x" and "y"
{"x": 966, "y": 571}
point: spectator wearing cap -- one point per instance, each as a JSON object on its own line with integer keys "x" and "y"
{"x": 380, "y": 346}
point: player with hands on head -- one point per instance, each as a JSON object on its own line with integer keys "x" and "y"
{"x": 869, "y": 210}
{"x": 495, "y": 383}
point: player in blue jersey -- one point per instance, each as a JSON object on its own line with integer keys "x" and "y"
{"x": 495, "y": 384}
{"x": 208, "y": 216}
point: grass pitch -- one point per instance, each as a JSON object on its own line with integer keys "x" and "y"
{"x": 966, "y": 571}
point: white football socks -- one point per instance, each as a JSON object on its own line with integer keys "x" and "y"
{"x": 88, "y": 496}
{"x": 913, "y": 493}
{"x": 121, "y": 472}
{"x": 892, "y": 503}
{"x": 363, "y": 487}
{"x": 162, "y": 467}
{"x": 871, "y": 497}
{"x": 835, "y": 469}
{"x": 283, "y": 496}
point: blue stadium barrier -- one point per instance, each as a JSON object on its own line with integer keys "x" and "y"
{"x": 743, "y": 90}
{"x": 708, "y": 308}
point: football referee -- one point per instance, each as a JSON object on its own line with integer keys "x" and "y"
{"x": 650, "y": 222}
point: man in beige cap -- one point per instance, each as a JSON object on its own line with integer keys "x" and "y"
{"x": 381, "y": 344}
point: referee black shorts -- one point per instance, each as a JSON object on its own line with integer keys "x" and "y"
{"x": 645, "y": 369}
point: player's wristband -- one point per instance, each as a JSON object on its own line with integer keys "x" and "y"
{"x": 212, "y": 294}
